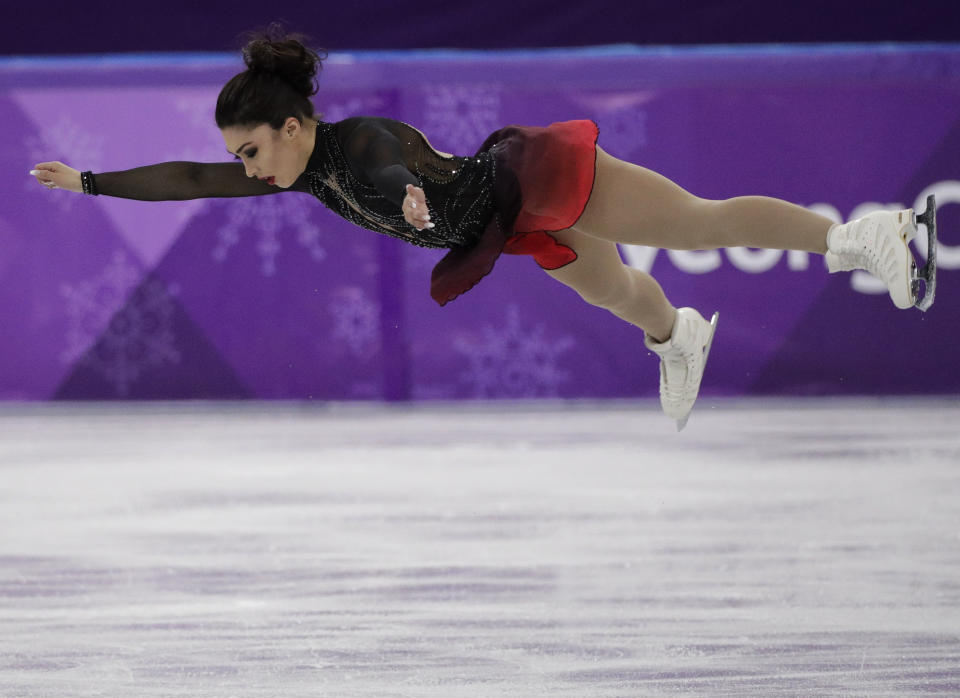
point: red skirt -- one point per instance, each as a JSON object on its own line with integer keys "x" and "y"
{"x": 543, "y": 177}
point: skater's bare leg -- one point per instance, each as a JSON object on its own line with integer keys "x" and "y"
{"x": 602, "y": 279}
{"x": 633, "y": 204}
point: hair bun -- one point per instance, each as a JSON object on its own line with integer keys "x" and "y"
{"x": 284, "y": 55}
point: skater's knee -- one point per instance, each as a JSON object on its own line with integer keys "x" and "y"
{"x": 607, "y": 291}
{"x": 598, "y": 275}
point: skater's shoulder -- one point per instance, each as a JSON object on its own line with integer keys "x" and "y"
{"x": 383, "y": 124}
{"x": 347, "y": 126}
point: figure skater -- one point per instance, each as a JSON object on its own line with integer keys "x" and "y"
{"x": 549, "y": 192}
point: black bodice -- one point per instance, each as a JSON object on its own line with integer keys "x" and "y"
{"x": 350, "y": 172}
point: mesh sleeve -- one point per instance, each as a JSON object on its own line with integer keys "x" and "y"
{"x": 177, "y": 181}
{"x": 379, "y": 154}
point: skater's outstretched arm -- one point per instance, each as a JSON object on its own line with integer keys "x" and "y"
{"x": 165, "y": 181}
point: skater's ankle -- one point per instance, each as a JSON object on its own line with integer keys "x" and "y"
{"x": 662, "y": 333}
{"x": 826, "y": 240}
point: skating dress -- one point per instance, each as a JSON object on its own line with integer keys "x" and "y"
{"x": 523, "y": 183}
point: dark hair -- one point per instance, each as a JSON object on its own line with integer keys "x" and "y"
{"x": 279, "y": 80}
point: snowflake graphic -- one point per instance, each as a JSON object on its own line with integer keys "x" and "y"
{"x": 63, "y": 139}
{"x": 461, "y": 117}
{"x": 356, "y": 321}
{"x": 514, "y": 361}
{"x": 128, "y": 340}
{"x": 268, "y": 215}
{"x": 356, "y": 106}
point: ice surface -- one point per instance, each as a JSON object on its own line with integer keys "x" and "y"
{"x": 784, "y": 548}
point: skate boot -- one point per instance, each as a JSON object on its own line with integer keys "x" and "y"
{"x": 879, "y": 243}
{"x": 682, "y": 360}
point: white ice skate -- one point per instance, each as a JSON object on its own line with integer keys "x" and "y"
{"x": 682, "y": 360}
{"x": 879, "y": 243}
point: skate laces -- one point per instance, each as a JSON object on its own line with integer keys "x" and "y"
{"x": 679, "y": 364}
{"x": 678, "y": 369}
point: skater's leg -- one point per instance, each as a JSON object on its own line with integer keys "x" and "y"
{"x": 602, "y": 279}
{"x": 680, "y": 337}
{"x": 632, "y": 204}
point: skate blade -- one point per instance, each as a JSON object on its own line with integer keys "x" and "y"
{"x": 928, "y": 273}
{"x": 681, "y": 423}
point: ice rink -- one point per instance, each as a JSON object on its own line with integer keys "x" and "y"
{"x": 538, "y": 549}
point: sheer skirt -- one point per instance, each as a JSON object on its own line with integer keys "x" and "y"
{"x": 543, "y": 178}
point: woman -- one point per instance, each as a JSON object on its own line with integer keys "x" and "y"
{"x": 549, "y": 192}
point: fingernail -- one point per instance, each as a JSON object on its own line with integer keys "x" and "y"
{"x": 428, "y": 216}
{"x": 430, "y": 225}
{"x": 413, "y": 203}
{"x": 34, "y": 172}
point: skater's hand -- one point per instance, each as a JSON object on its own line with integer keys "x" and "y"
{"x": 415, "y": 208}
{"x": 56, "y": 175}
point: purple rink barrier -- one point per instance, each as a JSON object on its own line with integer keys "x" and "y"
{"x": 275, "y": 297}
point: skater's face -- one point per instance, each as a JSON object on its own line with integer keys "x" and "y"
{"x": 266, "y": 152}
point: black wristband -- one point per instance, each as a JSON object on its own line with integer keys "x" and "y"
{"x": 89, "y": 183}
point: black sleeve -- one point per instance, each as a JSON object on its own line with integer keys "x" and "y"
{"x": 176, "y": 181}
{"x": 379, "y": 154}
